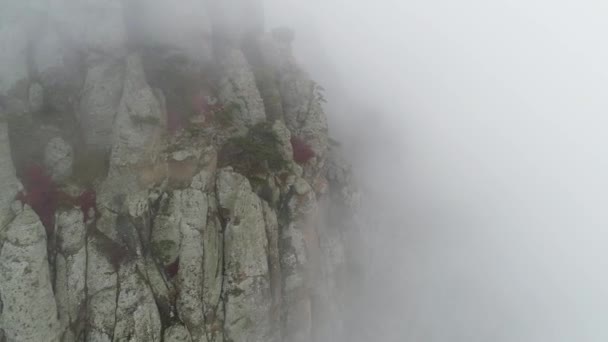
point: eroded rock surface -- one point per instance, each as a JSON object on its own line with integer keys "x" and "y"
{"x": 188, "y": 191}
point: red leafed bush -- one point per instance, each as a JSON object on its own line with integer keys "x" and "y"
{"x": 172, "y": 269}
{"x": 43, "y": 196}
{"x": 302, "y": 152}
{"x": 200, "y": 103}
{"x": 87, "y": 201}
{"x": 174, "y": 122}
{"x": 40, "y": 194}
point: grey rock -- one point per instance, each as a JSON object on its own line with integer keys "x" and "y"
{"x": 246, "y": 290}
{"x": 181, "y": 251}
{"x": 99, "y": 102}
{"x": 139, "y": 120}
{"x": 137, "y": 316}
{"x": 30, "y": 311}
{"x": 102, "y": 288}
{"x": 166, "y": 237}
{"x": 70, "y": 266}
{"x": 300, "y": 263}
{"x": 9, "y": 185}
{"x": 301, "y": 98}
{"x": 284, "y": 137}
{"x": 177, "y": 333}
{"x": 274, "y": 260}
{"x": 59, "y": 159}
{"x": 237, "y": 88}
{"x": 213, "y": 248}
{"x": 191, "y": 209}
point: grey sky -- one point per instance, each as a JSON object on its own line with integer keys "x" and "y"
{"x": 483, "y": 126}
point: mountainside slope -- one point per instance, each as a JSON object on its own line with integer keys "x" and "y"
{"x": 166, "y": 180}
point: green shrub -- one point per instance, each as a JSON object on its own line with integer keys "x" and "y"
{"x": 257, "y": 152}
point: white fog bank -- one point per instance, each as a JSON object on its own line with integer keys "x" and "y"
{"x": 478, "y": 129}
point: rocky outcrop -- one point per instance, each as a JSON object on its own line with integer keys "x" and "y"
{"x": 29, "y": 309}
{"x": 99, "y": 102}
{"x": 173, "y": 189}
{"x": 59, "y": 159}
{"x": 237, "y": 88}
{"x": 290, "y": 94}
{"x": 246, "y": 291}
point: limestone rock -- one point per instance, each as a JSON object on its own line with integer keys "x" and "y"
{"x": 247, "y": 292}
{"x": 70, "y": 266}
{"x": 177, "y": 333}
{"x": 9, "y": 185}
{"x": 29, "y": 309}
{"x": 99, "y": 102}
{"x": 191, "y": 208}
{"x": 284, "y": 137}
{"x": 102, "y": 288}
{"x": 59, "y": 159}
{"x": 302, "y": 99}
{"x": 178, "y": 250}
{"x": 137, "y": 316}
{"x": 238, "y": 89}
{"x": 139, "y": 120}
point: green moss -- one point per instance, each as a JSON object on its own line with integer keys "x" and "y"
{"x": 162, "y": 249}
{"x": 144, "y": 120}
{"x": 235, "y": 292}
{"x": 257, "y": 152}
{"x": 226, "y": 116}
{"x": 257, "y": 182}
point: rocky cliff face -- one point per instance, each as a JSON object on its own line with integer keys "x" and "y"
{"x": 165, "y": 180}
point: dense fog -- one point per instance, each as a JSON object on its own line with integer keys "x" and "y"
{"x": 477, "y": 133}
{"x": 477, "y": 129}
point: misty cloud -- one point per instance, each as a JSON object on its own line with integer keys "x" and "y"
{"x": 478, "y": 131}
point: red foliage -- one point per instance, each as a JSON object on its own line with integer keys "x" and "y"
{"x": 172, "y": 269}
{"x": 200, "y": 103}
{"x": 43, "y": 196}
{"x": 302, "y": 152}
{"x": 174, "y": 122}
{"x": 202, "y": 106}
{"x": 87, "y": 201}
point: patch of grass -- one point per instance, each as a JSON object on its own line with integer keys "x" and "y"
{"x": 144, "y": 120}
{"x": 162, "y": 248}
{"x": 226, "y": 116}
{"x": 257, "y": 152}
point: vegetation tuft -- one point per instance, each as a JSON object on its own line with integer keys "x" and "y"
{"x": 255, "y": 153}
